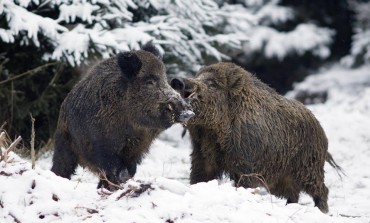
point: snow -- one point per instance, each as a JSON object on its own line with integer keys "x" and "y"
{"x": 19, "y": 19}
{"x": 73, "y": 45}
{"x": 166, "y": 196}
{"x": 303, "y": 39}
{"x": 274, "y": 14}
{"x": 83, "y": 28}
{"x": 69, "y": 13}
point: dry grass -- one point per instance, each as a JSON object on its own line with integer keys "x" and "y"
{"x": 255, "y": 175}
{"x": 259, "y": 177}
{"x": 4, "y": 153}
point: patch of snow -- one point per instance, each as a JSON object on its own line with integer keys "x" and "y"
{"x": 304, "y": 38}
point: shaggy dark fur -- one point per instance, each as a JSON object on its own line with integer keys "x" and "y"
{"x": 110, "y": 118}
{"x": 243, "y": 127}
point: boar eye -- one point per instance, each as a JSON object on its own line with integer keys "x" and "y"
{"x": 151, "y": 80}
{"x": 212, "y": 84}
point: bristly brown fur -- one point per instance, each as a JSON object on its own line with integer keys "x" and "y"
{"x": 110, "y": 118}
{"x": 242, "y": 126}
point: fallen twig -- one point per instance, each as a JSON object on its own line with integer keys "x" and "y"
{"x": 15, "y": 218}
{"x": 103, "y": 177}
{"x": 134, "y": 191}
{"x": 89, "y": 210}
{"x": 349, "y": 216}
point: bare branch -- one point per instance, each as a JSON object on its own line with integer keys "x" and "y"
{"x": 2, "y": 138}
{"x": 14, "y": 144}
{"x": 30, "y": 72}
{"x": 33, "y": 142}
{"x": 4, "y": 156}
{"x": 2, "y": 126}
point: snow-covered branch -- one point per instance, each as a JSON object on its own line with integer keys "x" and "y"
{"x": 187, "y": 30}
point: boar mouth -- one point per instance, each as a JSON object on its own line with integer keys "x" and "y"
{"x": 188, "y": 93}
{"x": 180, "y": 112}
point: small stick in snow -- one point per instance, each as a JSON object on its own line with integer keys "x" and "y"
{"x": 89, "y": 210}
{"x": 103, "y": 177}
{"x": 2, "y": 139}
{"x": 14, "y": 144}
{"x": 15, "y": 218}
{"x": 79, "y": 180}
{"x": 350, "y": 216}
{"x": 33, "y": 142}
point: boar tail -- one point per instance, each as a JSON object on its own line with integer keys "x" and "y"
{"x": 331, "y": 161}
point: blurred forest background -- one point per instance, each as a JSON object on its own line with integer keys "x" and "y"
{"x": 47, "y": 45}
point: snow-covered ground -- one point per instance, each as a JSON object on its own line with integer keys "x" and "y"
{"x": 39, "y": 196}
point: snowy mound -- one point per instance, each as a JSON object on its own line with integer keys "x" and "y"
{"x": 28, "y": 195}
{"x": 337, "y": 85}
{"x": 160, "y": 191}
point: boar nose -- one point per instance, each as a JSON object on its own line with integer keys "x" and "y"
{"x": 186, "y": 113}
{"x": 185, "y": 116}
{"x": 180, "y": 108}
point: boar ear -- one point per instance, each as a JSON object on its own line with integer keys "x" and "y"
{"x": 149, "y": 47}
{"x": 129, "y": 63}
{"x": 177, "y": 84}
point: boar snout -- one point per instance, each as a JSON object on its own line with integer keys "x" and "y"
{"x": 181, "y": 110}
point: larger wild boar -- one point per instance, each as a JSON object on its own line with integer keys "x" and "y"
{"x": 244, "y": 128}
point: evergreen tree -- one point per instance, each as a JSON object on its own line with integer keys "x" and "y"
{"x": 360, "y": 48}
{"x": 53, "y": 38}
{"x": 293, "y": 38}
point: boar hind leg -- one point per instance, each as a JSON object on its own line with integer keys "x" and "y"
{"x": 65, "y": 160}
{"x": 288, "y": 188}
{"x": 318, "y": 191}
{"x": 293, "y": 198}
{"x": 320, "y": 196}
